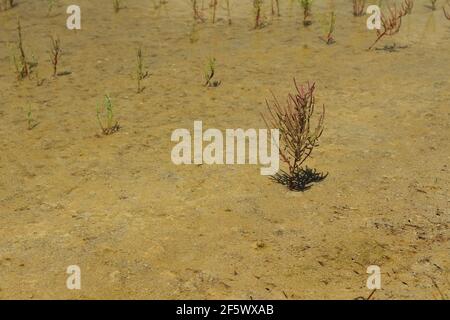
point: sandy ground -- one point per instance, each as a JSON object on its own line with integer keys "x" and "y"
{"x": 140, "y": 227}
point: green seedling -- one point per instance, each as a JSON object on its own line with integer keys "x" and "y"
{"x": 229, "y": 12}
{"x": 50, "y": 5}
{"x": 141, "y": 74}
{"x": 117, "y": 6}
{"x": 105, "y": 117}
{"x": 330, "y": 26}
{"x": 22, "y": 66}
{"x": 32, "y": 123}
{"x": 433, "y": 4}
{"x": 210, "y": 73}
{"x": 214, "y": 6}
{"x": 306, "y": 6}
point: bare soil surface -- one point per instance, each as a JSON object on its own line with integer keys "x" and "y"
{"x": 141, "y": 227}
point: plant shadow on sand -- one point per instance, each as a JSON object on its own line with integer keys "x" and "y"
{"x": 301, "y": 180}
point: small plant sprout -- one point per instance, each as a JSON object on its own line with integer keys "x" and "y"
{"x": 50, "y": 5}
{"x": 257, "y": 5}
{"x": 31, "y": 122}
{"x": 210, "y": 73}
{"x": 105, "y": 117}
{"x": 330, "y": 26}
{"x": 23, "y": 68}
{"x": 298, "y": 135}
{"x": 55, "y": 54}
{"x": 306, "y": 6}
{"x": 358, "y": 7}
{"x": 117, "y": 6}
{"x": 141, "y": 74}
{"x": 229, "y": 12}
{"x": 214, "y": 7}
{"x": 392, "y": 22}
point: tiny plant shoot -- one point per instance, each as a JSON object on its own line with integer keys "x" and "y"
{"x": 329, "y": 39}
{"x": 257, "y": 5}
{"x": 229, "y": 12}
{"x": 31, "y": 122}
{"x": 214, "y": 6}
{"x": 306, "y": 6}
{"x": 21, "y": 64}
{"x": 141, "y": 74}
{"x": 210, "y": 72}
{"x": 105, "y": 117}
{"x": 117, "y": 6}
{"x": 55, "y": 54}
{"x": 433, "y": 4}
{"x": 50, "y": 5}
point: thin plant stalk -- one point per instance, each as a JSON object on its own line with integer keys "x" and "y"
{"x": 55, "y": 54}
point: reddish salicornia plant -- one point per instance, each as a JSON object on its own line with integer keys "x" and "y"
{"x": 298, "y": 135}
{"x": 391, "y": 23}
{"x": 358, "y": 7}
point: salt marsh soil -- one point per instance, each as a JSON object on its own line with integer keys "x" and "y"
{"x": 140, "y": 227}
